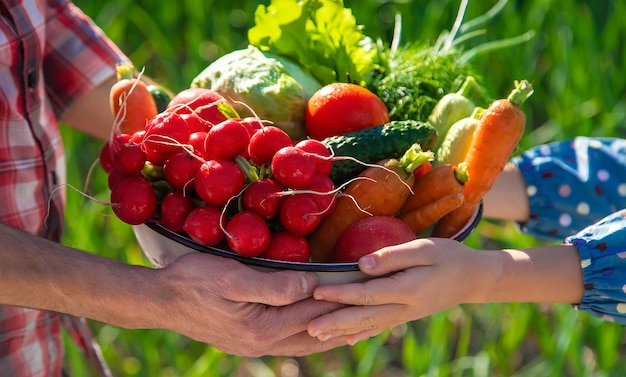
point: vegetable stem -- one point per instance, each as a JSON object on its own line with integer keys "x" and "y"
{"x": 496, "y": 45}
{"x": 484, "y": 18}
{"x": 461, "y": 174}
{"x": 523, "y": 89}
{"x": 472, "y": 91}
{"x": 247, "y": 168}
{"x": 456, "y": 26}
{"x": 414, "y": 157}
{"x": 124, "y": 71}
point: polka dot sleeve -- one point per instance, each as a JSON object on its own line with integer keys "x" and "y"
{"x": 602, "y": 249}
{"x": 573, "y": 184}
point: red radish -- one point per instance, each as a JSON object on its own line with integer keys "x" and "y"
{"x": 118, "y": 141}
{"x": 288, "y": 247}
{"x": 368, "y": 235}
{"x": 109, "y": 150}
{"x": 247, "y": 234}
{"x": 166, "y": 132}
{"x": 114, "y": 177}
{"x": 327, "y": 197}
{"x": 180, "y": 169}
{"x": 137, "y": 137}
{"x": 198, "y": 140}
{"x": 227, "y": 140}
{"x": 293, "y": 168}
{"x": 217, "y": 181}
{"x": 106, "y": 157}
{"x": 258, "y": 198}
{"x": 252, "y": 124}
{"x": 266, "y": 142}
{"x": 156, "y": 159}
{"x": 319, "y": 154}
{"x": 175, "y": 207}
{"x": 204, "y": 102}
{"x": 133, "y": 199}
{"x": 299, "y": 214}
{"x": 130, "y": 159}
{"x": 203, "y": 225}
{"x": 195, "y": 123}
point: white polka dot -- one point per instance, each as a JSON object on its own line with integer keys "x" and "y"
{"x": 595, "y": 143}
{"x": 608, "y": 318}
{"x": 582, "y": 208}
{"x": 621, "y": 255}
{"x": 621, "y": 308}
{"x": 544, "y": 150}
{"x": 585, "y": 263}
{"x": 621, "y": 189}
{"x": 624, "y": 288}
{"x": 603, "y": 175}
{"x": 565, "y": 219}
{"x": 531, "y": 190}
{"x": 565, "y": 190}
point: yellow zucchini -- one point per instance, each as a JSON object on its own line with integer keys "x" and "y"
{"x": 456, "y": 142}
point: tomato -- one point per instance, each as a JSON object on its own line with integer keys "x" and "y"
{"x": 339, "y": 108}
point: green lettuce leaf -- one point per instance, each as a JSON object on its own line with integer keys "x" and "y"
{"x": 320, "y": 35}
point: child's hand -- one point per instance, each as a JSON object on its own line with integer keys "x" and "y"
{"x": 416, "y": 279}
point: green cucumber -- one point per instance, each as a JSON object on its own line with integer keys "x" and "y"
{"x": 161, "y": 96}
{"x": 373, "y": 144}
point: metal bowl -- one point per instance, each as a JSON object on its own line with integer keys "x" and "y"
{"x": 163, "y": 246}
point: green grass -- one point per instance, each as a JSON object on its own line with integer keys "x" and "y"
{"x": 575, "y": 62}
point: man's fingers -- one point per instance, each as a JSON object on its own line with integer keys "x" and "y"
{"x": 294, "y": 318}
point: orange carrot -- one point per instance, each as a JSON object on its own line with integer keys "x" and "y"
{"x": 500, "y": 129}
{"x": 379, "y": 190}
{"x": 440, "y": 182}
{"x": 422, "y": 218}
{"x": 131, "y": 102}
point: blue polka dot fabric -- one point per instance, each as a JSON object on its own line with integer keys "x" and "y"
{"x": 602, "y": 249}
{"x": 573, "y": 184}
{"x": 577, "y": 193}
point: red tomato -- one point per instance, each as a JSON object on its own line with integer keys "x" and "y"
{"x": 339, "y": 108}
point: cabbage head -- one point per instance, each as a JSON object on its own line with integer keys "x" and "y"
{"x": 262, "y": 84}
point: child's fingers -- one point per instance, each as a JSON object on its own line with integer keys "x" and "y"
{"x": 418, "y": 252}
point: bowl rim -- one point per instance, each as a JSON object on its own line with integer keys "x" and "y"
{"x": 287, "y": 265}
{"x": 255, "y": 261}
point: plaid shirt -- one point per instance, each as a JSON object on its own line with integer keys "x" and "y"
{"x": 50, "y": 54}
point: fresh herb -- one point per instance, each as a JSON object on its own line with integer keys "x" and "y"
{"x": 416, "y": 79}
{"x": 417, "y": 76}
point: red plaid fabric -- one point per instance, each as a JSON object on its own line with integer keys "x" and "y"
{"x": 50, "y": 54}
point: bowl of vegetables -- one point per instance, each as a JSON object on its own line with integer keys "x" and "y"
{"x": 271, "y": 161}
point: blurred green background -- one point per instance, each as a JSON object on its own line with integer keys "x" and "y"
{"x": 576, "y": 63}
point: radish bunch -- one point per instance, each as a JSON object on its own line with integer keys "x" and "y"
{"x": 221, "y": 181}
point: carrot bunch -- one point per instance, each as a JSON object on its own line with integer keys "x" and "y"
{"x": 435, "y": 194}
{"x": 497, "y": 134}
{"x": 380, "y": 190}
